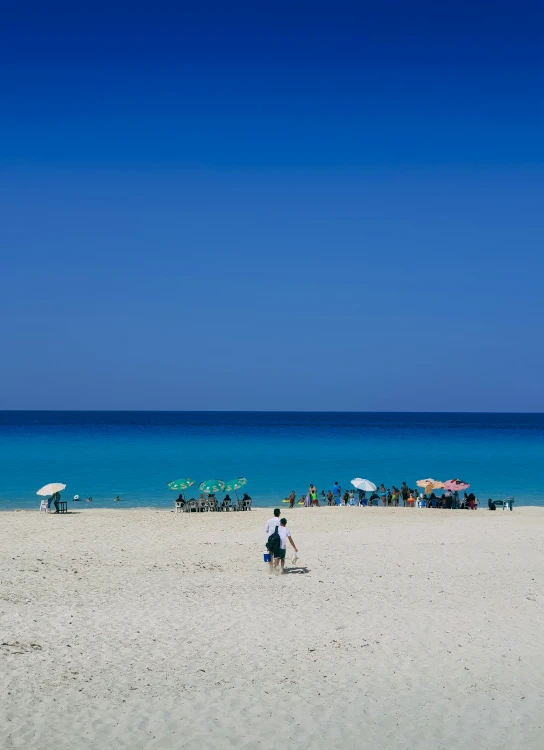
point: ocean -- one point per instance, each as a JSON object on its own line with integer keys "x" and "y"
{"x": 135, "y": 454}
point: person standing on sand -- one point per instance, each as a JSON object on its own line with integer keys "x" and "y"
{"x": 55, "y": 498}
{"x": 336, "y": 493}
{"x": 292, "y": 498}
{"x": 285, "y": 534}
{"x": 271, "y": 524}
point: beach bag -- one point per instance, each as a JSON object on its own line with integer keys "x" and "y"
{"x": 273, "y": 544}
{"x": 294, "y": 558}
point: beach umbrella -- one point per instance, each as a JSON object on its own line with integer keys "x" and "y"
{"x": 363, "y": 484}
{"x": 430, "y": 485}
{"x": 181, "y": 484}
{"x": 234, "y": 484}
{"x": 456, "y": 484}
{"x": 50, "y": 489}
{"x": 210, "y": 486}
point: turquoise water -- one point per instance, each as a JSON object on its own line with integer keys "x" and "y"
{"x": 134, "y": 454}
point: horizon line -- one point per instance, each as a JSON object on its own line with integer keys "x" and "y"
{"x": 259, "y": 411}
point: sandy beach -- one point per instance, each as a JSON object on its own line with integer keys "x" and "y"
{"x": 399, "y": 628}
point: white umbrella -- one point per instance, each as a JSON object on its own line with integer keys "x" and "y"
{"x": 50, "y": 489}
{"x": 363, "y": 484}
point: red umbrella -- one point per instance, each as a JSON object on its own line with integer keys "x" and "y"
{"x": 456, "y": 484}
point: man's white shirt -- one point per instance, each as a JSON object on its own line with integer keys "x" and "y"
{"x": 271, "y": 525}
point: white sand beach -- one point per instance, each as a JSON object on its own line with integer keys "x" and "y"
{"x": 400, "y": 628}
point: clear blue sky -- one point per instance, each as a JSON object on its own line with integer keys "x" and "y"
{"x": 272, "y": 206}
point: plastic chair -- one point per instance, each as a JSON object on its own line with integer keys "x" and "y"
{"x": 44, "y": 506}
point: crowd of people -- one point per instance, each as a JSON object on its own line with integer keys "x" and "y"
{"x": 388, "y": 497}
{"x": 225, "y": 504}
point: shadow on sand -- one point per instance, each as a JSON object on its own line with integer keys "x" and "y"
{"x": 297, "y": 571}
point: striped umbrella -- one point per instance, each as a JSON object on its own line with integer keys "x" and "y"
{"x": 363, "y": 484}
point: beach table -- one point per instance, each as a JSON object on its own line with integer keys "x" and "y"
{"x": 63, "y": 506}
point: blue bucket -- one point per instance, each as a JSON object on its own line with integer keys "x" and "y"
{"x": 267, "y": 556}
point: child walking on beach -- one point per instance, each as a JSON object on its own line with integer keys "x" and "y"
{"x": 285, "y": 534}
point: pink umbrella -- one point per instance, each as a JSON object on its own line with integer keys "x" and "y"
{"x": 456, "y": 484}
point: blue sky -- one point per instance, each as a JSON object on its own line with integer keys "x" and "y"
{"x": 304, "y": 206}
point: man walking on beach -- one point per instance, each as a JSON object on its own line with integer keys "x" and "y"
{"x": 271, "y": 525}
{"x": 337, "y": 493}
{"x": 285, "y": 534}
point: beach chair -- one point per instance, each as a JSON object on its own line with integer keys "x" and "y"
{"x": 44, "y": 506}
{"x": 192, "y": 505}
{"x": 179, "y": 507}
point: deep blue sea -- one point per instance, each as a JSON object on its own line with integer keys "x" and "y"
{"x": 135, "y": 454}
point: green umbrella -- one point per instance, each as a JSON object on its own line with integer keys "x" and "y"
{"x": 235, "y": 484}
{"x": 211, "y": 486}
{"x": 181, "y": 484}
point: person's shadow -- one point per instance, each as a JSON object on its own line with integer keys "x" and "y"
{"x": 298, "y": 571}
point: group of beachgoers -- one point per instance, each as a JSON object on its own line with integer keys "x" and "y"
{"x": 390, "y": 497}
{"x": 206, "y": 501}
